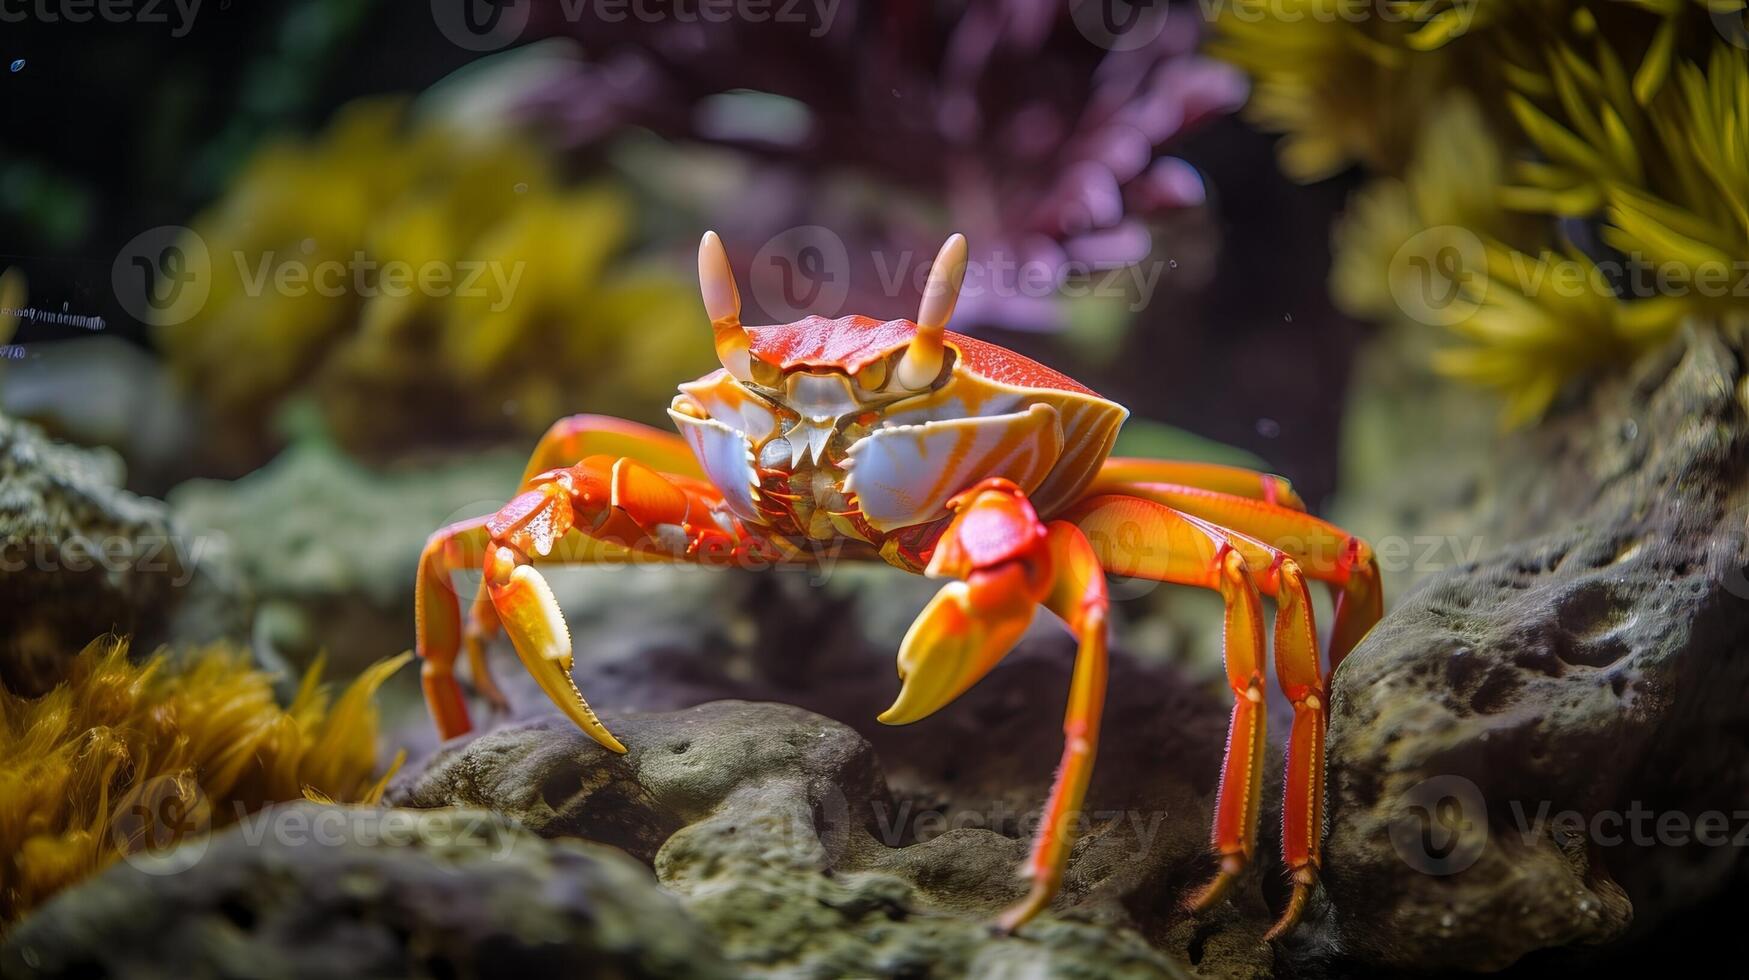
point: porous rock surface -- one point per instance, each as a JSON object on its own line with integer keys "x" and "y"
{"x": 81, "y": 557}
{"x": 1594, "y": 660}
{"x": 781, "y": 831}
{"x": 303, "y": 890}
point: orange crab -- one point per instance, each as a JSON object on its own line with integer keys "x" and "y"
{"x": 943, "y": 455}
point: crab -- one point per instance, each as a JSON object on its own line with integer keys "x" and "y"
{"x": 944, "y": 455}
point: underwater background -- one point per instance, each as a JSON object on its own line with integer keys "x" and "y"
{"x": 285, "y": 287}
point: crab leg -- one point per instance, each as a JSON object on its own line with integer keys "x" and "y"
{"x": 1146, "y": 539}
{"x": 1119, "y": 471}
{"x": 1005, "y": 563}
{"x": 567, "y": 440}
{"x": 1078, "y": 596}
{"x": 633, "y": 513}
{"x": 1137, "y": 538}
{"x": 1323, "y": 551}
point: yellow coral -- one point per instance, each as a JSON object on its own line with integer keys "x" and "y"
{"x": 204, "y": 735}
{"x": 1587, "y": 161}
{"x": 510, "y": 303}
{"x": 12, "y": 294}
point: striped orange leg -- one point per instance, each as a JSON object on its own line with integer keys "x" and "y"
{"x": 568, "y": 440}
{"x": 1126, "y": 525}
{"x": 1119, "y": 471}
{"x": 1078, "y": 596}
{"x": 1144, "y": 540}
{"x": 1005, "y": 563}
{"x": 634, "y": 513}
{"x": 1323, "y": 551}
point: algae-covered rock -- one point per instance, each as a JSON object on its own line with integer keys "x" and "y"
{"x": 304, "y": 890}
{"x": 80, "y": 557}
{"x": 329, "y": 546}
{"x": 1523, "y": 752}
{"x": 777, "y": 828}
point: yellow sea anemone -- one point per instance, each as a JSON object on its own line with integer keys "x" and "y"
{"x": 418, "y": 280}
{"x": 87, "y": 767}
{"x": 1575, "y": 187}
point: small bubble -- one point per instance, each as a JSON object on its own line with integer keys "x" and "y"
{"x": 1268, "y": 428}
{"x": 1171, "y": 263}
{"x": 1630, "y": 430}
{"x": 520, "y": 188}
{"x": 1287, "y": 318}
{"x": 18, "y": 65}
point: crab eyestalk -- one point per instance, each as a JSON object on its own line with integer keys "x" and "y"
{"x": 722, "y": 303}
{"x": 922, "y": 362}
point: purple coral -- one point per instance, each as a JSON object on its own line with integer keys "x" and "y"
{"x": 998, "y": 118}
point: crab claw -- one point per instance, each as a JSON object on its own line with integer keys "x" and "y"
{"x": 964, "y": 631}
{"x": 537, "y": 629}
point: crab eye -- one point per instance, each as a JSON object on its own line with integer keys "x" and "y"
{"x": 873, "y": 376}
{"x": 766, "y": 374}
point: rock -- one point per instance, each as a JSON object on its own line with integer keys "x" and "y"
{"x": 106, "y": 391}
{"x": 329, "y": 546}
{"x": 777, "y": 828}
{"x": 79, "y": 557}
{"x": 304, "y": 890}
{"x": 1591, "y": 660}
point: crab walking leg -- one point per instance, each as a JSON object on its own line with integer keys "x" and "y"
{"x": 566, "y": 441}
{"x": 1146, "y": 540}
{"x": 1078, "y": 596}
{"x": 437, "y": 614}
{"x": 633, "y": 513}
{"x": 1119, "y": 471}
{"x": 1005, "y": 562}
{"x": 1323, "y": 551}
